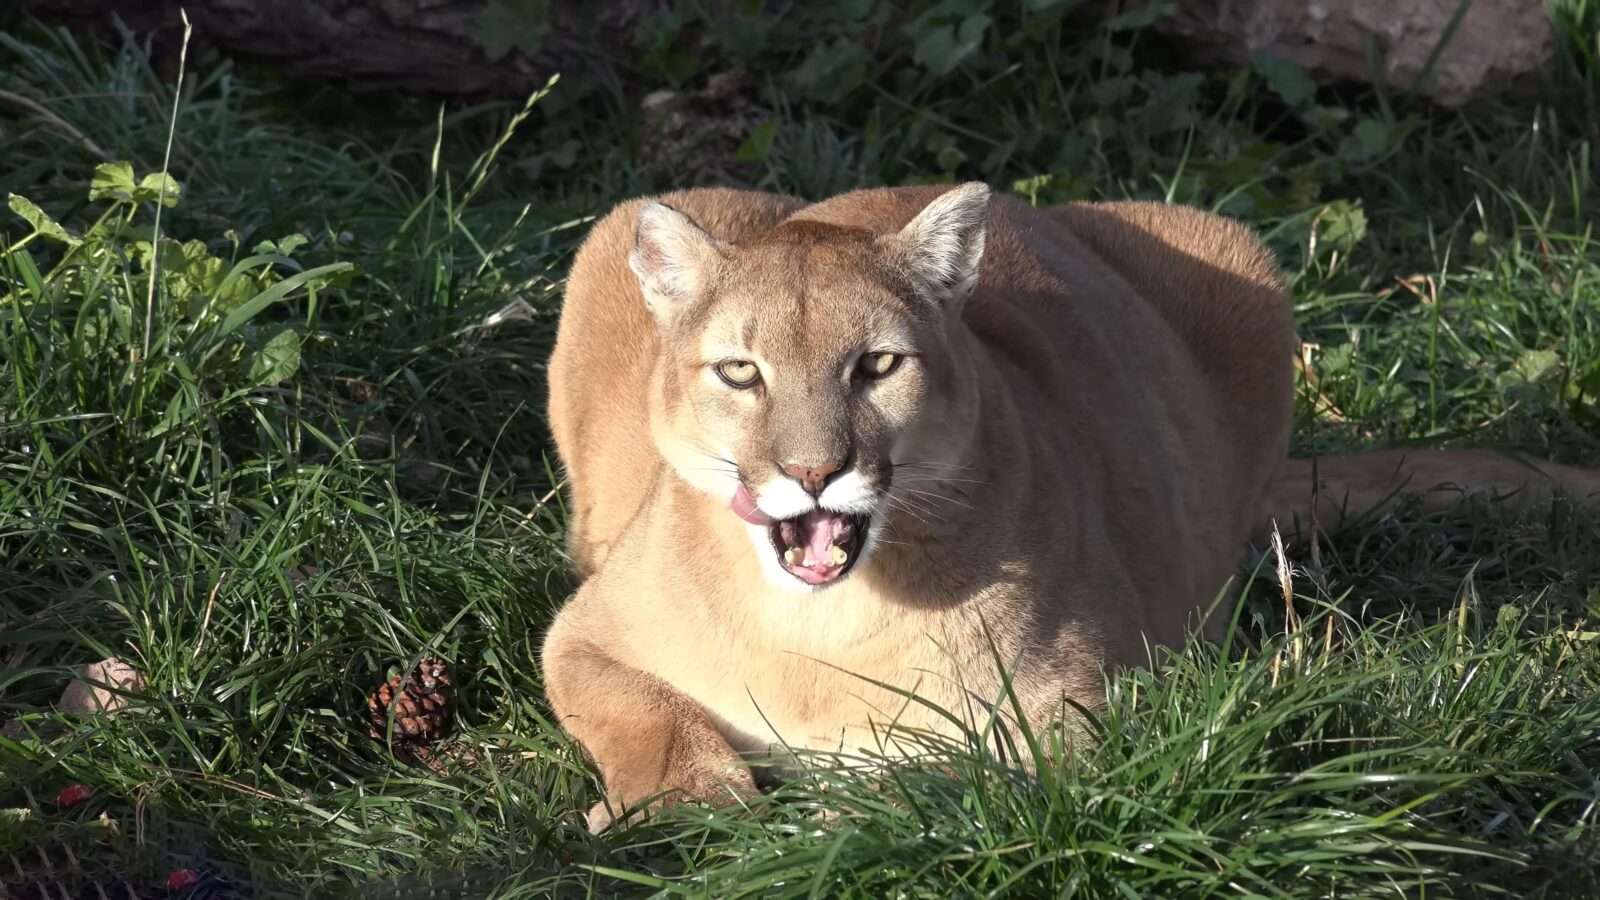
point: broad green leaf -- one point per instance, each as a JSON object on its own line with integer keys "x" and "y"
{"x": 758, "y": 145}
{"x": 112, "y": 181}
{"x": 277, "y": 361}
{"x": 1373, "y": 137}
{"x": 1535, "y": 365}
{"x": 289, "y": 244}
{"x": 282, "y": 246}
{"x": 565, "y": 154}
{"x": 969, "y": 37}
{"x": 506, "y": 25}
{"x": 1589, "y": 382}
{"x": 159, "y": 187}
{"x": 1343, "y": 224}
{"x": 942, "y": 48}
{"x": 1032, "y": 186}
{"x": 935, "y": 47}
{"x": 40, "y": 220}
{"x": 1286, "y": 79}
{"x": 831, "y": 70}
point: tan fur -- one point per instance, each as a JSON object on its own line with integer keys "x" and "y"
{"x": 1105, "y": 423}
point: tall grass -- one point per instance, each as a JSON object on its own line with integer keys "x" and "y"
{"x": 331, "y": 460}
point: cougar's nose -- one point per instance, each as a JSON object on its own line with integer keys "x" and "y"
{"x": 813, "y": 477}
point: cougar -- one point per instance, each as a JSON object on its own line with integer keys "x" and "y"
{"x": 824, "y": 458}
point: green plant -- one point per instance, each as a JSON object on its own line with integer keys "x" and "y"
{"x": 266, "y": 533}
{"x": 159, "y": 343}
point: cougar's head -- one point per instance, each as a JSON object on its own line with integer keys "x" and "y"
{"x": 800, "y": 369}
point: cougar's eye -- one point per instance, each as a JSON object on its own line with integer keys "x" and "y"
{"x": 877, "y": 365}
{"x": 738, "y": 373}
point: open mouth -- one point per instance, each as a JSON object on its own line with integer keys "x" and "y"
{"x": 820, "y": 546}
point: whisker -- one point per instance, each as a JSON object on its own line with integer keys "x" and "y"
{"x": 938, "y": 479}
{"x": 941, "y": 497}
{"x": 882, "y": 532}
{"x": 709, "y": 453}
{"x": 896, "y": 503}
{"x": 917, "y": 512}
{"x": 907, "y": 496}
{"x": 724, "y": 466}
{"x": 949, "y": 467}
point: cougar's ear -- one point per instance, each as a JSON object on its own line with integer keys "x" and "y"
{"x": 672, "y": 258}
{"x": 941, "y": 247}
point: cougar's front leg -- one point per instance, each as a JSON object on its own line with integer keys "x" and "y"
{"x": 653, "y": 745}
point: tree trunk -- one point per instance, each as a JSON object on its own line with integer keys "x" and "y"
{"x": 503, "y": 48}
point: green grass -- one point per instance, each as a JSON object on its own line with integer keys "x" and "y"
{"x": 310, "y": 462}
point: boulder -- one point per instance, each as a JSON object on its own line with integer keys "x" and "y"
{"x": 1490, "y": 46}
{"x": 92, "y": 691}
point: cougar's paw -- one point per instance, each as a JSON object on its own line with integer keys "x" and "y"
{"x": 600, "y": 816}
{"x": 713, "y": 784}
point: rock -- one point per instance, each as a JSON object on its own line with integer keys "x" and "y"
{"x": 1497, "y": 44}
{"x": 91, "y": 691}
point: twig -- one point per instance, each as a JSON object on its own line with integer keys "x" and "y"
{"x": 205, "y": 620}
{"x": 166, "y": 160}
{"x": 1292, "y": 623}
{"x": 1316, "y": 524}
{"x": 55, "y": 122}
{"x": 543, "y": 501}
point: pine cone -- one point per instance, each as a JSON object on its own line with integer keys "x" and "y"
{"x": 421, "y": 702}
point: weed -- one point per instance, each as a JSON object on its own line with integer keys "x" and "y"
{"x": 295, "y": 440}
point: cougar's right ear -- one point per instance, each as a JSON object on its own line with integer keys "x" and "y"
{"x": 672, "y": 258}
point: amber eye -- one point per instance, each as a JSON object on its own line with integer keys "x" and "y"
{"x": 738, "y": 373}
{"x": 877, "y": 365}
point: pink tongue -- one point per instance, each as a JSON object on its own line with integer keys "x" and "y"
{"x": 744, "y": 506}
{"x": 820, "y": 527}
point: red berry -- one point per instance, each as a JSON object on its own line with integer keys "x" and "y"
{"x": 178, "y": 879}
{"x": 73, "y": 794}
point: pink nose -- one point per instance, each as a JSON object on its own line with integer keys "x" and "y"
{"x": 812, "y": 478}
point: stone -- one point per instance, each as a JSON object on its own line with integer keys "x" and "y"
{"x": 1497, "y": 44}
{"x": 91, "y": 691}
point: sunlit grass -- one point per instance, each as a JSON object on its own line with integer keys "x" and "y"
{"x": 267, "y": 534}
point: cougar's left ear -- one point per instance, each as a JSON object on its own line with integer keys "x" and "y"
{"x": 672, "y": 258}
{"x": 941, "y": 247}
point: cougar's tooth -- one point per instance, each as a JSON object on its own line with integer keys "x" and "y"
{"x": 793, "y": 556}
{"x": 839, "y": 556}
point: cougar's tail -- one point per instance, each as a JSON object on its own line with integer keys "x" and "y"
{"x": 1347, "y": 486}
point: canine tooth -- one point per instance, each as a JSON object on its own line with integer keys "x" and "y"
{"x": 839, "y": 555}
{"x": 793, "y": 555}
